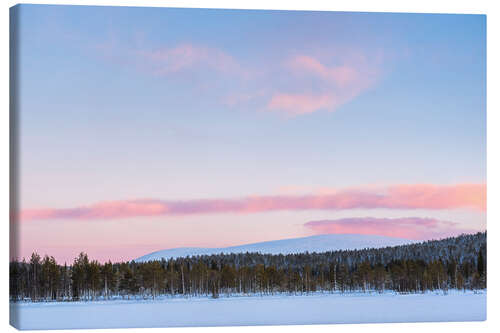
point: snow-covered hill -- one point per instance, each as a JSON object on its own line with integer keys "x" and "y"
{"x": 319, "y": 243}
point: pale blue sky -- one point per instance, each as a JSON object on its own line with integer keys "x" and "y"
{"x": 110, "y": 111}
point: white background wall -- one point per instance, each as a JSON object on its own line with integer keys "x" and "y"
{"x": 491, "y": 8}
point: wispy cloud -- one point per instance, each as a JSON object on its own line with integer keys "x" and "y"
{"x": 169, "y": 59}
{"x": 342, "y": 75}
{"x": 469, "y": 196}
{"x": 298, "y": 104}
{"x": 438, "y": 197}
{"x": 294, "y": 85}
{"x": 334, "y": 85}
{"x": 408, "y": 227}
{"x": 182, "y": 57}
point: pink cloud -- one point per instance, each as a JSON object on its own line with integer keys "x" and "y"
{"x": 337, "y": 85}
{"x": 334, "y": 85}
{"x": 298, "y": 104}
{"x": 187, "y": 56}
{"x": 470, "y": 196}
{"x": 437, "y": 197}
{"x": 407, "y": 227}
{"x": 341, "y": 75}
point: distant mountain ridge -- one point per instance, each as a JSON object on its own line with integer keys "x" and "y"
{"x": 318, "y": 243}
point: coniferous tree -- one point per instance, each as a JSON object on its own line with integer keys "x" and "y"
{"x": 457, "y": 263}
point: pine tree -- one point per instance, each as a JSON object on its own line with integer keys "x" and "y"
{"x": 458, "y": 262}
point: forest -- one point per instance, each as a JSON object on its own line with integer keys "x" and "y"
{"x": 451, "y": 263}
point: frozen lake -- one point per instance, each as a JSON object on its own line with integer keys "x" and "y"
{"x": 252, "y": 310}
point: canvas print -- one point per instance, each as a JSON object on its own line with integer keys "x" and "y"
{"x": 211, "y": 167}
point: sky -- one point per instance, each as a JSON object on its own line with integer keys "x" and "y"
{"x": 142, "y": 129}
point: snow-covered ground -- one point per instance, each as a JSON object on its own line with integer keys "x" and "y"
{"x": 252, "y": 310}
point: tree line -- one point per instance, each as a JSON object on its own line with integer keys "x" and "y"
{"x": 451, "y": 263}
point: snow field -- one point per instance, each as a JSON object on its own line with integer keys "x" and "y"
{"x": 252, "y": 310}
